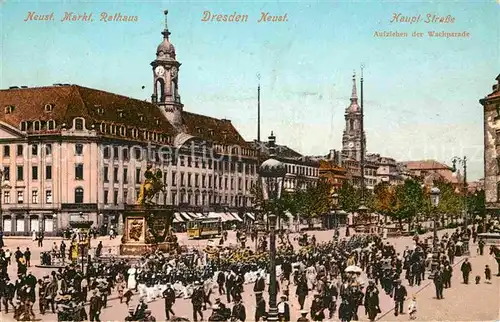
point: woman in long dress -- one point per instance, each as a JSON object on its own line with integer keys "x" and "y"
{"x": 131, "y": 282}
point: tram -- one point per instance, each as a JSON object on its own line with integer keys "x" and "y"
{"x": 204, "y": 228}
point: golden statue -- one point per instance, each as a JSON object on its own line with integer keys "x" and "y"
{"x": 152, "y": 185}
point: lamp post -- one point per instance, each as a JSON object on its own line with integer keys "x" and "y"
{"x": 463, "y": 162}
{"x": 272, "y": 173}
{"x": 435, "y": 192}
{"x": 335, "y": 205}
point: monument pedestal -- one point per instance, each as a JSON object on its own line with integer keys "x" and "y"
{"x": 147, "y": 229}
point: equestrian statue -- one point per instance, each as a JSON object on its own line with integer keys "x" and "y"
{"x": 152, "y": 185}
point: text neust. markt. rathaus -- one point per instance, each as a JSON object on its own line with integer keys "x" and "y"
{"x": 68, "y": 151}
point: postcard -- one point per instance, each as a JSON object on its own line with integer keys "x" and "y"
{"x": 249, "y": 161}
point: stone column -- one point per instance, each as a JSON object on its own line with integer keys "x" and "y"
{"x": 120, "y": 224}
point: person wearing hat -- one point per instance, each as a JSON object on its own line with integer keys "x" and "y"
{"x": 399, "y": 296}
{"x": 238, "y": 313}
{"x": 148, "y": 317}
{"x": 260, "y": 307}
{"x": 303, "y": 315}
{"x": 283, "y": 310}
{"x": 131, "y": 315}
{"x": 372, "y": 301}
{"x": 95, "y": 306}
{"x": 197, "y": 299}
{"x": 169, "y": 296}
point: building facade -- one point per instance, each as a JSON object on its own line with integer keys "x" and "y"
{"x": 70, "y": 153}
{"x": 491, "y": 112}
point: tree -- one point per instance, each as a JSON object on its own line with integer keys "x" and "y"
{"x": 411, "y": 200}
{"x": 450, "y": 203}
{"x": 349, "y": 198}
{"x": 476, "y": 203}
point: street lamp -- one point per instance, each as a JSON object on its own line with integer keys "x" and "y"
{"x": 272, "y": 173}
{"x": 435, "y": 192}
{"x": 463, "y": 162}
{"x": 335, "y": 205}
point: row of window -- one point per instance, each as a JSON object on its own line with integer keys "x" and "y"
{"x": 206, "y": 181}
{"x": 34, "y": 197}
{"x": 139, "y": 153}
{"x": 301, "y": 170}
{"x": 37, "y": 125}
{"x": 34, "y": 173}
{"x": 35, "y": 150}
{"x": 184, "y": 198}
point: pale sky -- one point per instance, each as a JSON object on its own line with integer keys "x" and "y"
{"x": 421, "y": 94}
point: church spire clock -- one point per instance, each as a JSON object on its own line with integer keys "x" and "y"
{"x": 166, "y": 79}
{"x": 352, "y": 136}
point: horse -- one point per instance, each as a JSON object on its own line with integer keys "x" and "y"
{"x": 494, "y": 250}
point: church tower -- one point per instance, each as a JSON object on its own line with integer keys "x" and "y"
{"x": 166, "y": 80}
{"x": 352, "y": 136}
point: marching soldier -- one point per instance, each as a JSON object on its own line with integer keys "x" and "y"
{"x": 169, "y": 296}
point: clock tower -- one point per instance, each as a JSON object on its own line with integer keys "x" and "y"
{"x": 166, "y": 80}
{"x": 352, "y": 136}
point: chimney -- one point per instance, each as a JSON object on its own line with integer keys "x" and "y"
{"x": 331, "y": 155}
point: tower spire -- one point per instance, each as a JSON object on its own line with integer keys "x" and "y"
{"x": 258, "y": 109}
{"x": 165, "y": 31}
{"x": 354, "y": 95}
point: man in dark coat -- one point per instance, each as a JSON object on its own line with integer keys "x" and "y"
{"x": 372, "y": 301}
{"x": 260, "y": 308}
{"x": 439, "y": 282}
{"x": 399, "y": 297}
{"x": 447, "y": 274}
{"x": 239, "y": 312}
{"x": 259, "y": 285}
{"x": 221, "y": 279}
{"x": 302, "y": 291}
{"x": 197, "y": 301}
{"x": 95, "y": 306}
{"x": 169, "y": 296}
{"x": 466, "y": 269}
{"x": 480, "y": 245}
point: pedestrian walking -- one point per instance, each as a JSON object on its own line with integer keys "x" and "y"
{"x": 466, "y": 269}
{"x": 487, "y": 274}
{"x": 399, "y": 297}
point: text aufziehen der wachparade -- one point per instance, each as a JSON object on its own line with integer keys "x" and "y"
{"x": 430, "y": 19}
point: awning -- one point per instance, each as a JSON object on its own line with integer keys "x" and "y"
{"x": 236, "y": 216}
{"x": 177, "y": 217}
{"x": 289, "y": 215}
{"x": 194, "y": 215}
{"x": 185, "y": 215}
{"x": 220, "y": 215}
{"x": 176, "y": 221}
{"x": 250, "y": 215}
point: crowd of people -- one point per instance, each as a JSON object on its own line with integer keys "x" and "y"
{"x": 331, "y": 274}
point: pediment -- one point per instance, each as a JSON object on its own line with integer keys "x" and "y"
{"x": 9, "y": 132}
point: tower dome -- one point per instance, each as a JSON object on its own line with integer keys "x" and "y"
{"x": 165, "y": 50}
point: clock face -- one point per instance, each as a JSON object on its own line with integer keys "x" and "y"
{"x": 173, "y": 72}
{"x": 351, "y": 144}
{"x": 159, "y": 71}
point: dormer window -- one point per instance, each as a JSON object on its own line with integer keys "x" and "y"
{"x": 120, "y": 113}
{"x": 198, "y": 129}
{"x": 210, "y": 131}
{"x": 135, "y": 133}
{"x": 103, "y": 127}
{"x": 122, "y": 130}
{"x": 23, "y": 126}
{"x": 78, "y": 124}
{"x": 141, "y": 117}
{"x": 48, "y": 108}
{"x": 112, "y": 129}
{"x": 36, "y": 126}
{"x": 157, "y": 121}
{"x": 9, "y": 109}
{"x": 51, "y": 125}
{"x": 100, "y": 110}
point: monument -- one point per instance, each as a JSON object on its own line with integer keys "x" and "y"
{"x": 147, "y": 226}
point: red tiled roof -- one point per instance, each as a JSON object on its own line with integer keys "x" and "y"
{"x": 70, "y": 101}
{"x": 425, "y": 165}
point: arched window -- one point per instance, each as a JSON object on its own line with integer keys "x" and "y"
{"x": 78, "y": 124}
{"x": 36, "y": 125}
{"x": 351, "y": 125}
{"x": 160, "y": 90}
{"x": 79, "y": 195}
{"x": 24, "y": 126}
{"x": 122, "y": 130}
{"x": 51, "y": 125}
